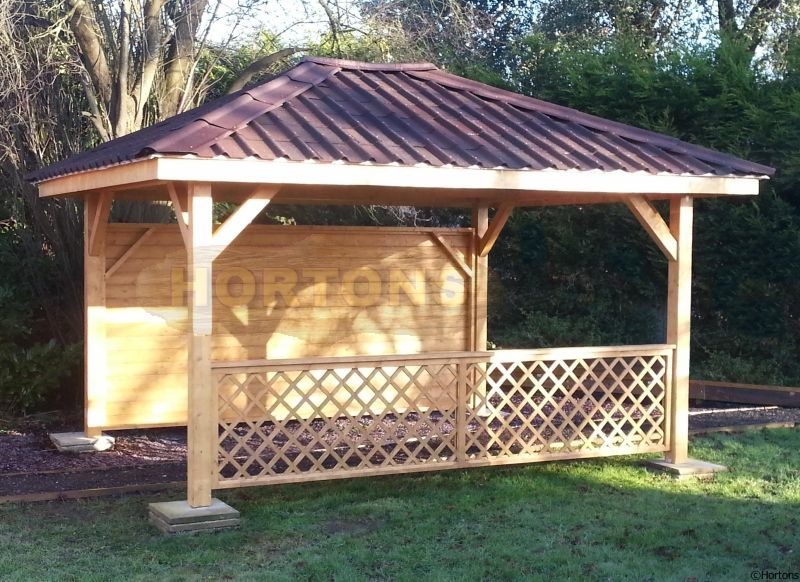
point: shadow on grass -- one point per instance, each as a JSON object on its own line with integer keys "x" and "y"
{"x": 605, "y": 519}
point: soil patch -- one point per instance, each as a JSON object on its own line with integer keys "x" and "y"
{"x": 29, "y": 463}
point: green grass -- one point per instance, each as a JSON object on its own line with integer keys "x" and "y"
{"x": 608, "y": 520}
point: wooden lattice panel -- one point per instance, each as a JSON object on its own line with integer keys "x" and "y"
{"x": 310, "y": 422}
{"x": 531, "y": 406}
{"x": 301, "y": 420}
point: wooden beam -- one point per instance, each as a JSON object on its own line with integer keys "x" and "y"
{"x": 500, "y": 218}
{"x": 575, "y": 181}
{"x": 452, "y": 254}
{"x": 180, "y": 204}
{"x": 241, "y": 218}
{"x": 100, "y": 208}
{"x": 679, "y": 315}
{"x": 168, "y": 169}
{"x": 94, "y": 345}
{"x": 129, "y": 252}
{"x": 655, "y": 226}
{"x": 202, "y": 428}
{"x": 745, "y": 393}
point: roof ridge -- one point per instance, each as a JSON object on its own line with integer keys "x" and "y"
{"x": 587, "y": 119}
{"x": 365, "y": 66}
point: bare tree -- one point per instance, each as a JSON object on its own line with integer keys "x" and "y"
{"x": 73, "y": 71}
{"x": 448, "y": 32}
{"x": 140, "y": 56}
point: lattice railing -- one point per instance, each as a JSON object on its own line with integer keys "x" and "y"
{"x": 298, "y": 420}
{"x": 569, "y": 402}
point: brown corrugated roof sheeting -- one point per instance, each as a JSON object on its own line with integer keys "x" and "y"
{"x": 408, "y": 114}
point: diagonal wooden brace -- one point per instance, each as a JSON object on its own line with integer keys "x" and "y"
{"x": 180, "y": 204}
{"x": 227, "y": 232}
{"x": 99, "y": 208}
{"x": 487, "y": 241}
{"x": 655, "y": 226}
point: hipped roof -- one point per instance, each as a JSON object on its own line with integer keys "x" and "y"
{"x": 329, "y": 110}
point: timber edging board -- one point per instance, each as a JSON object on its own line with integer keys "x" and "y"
{"x": 741, "y": 427}
{"x": 95, "y": 492}
{"x": 744, "y": 393}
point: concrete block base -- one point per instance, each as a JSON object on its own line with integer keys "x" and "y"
{"x": 691, "y": 469}
{"x": 180, "y": 517}
{"x": 78, "y": 442}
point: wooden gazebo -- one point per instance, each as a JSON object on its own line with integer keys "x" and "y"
{"x": 314, "y": 352}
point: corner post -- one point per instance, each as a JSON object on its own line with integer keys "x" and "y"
{"x": 479, "y": 402}
{"x": 480, "y": 224}
{"x": 202, "y": 408}
{"x": 95, "y": 217}
{"x": 679, "y": 313}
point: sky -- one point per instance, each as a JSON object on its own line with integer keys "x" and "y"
{"x": 294, "y": 20}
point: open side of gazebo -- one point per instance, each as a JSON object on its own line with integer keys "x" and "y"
{"x": 298, "y": 353}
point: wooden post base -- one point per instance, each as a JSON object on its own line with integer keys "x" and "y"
{"x": 78, "y": 442}
{"x": 691, "y": 469}
{"x": 180, "y": 517}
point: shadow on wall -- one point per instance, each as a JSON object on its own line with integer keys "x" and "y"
{"x": 278, "y": 292}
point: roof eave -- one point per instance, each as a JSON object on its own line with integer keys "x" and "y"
{"x": 161, "y": 169}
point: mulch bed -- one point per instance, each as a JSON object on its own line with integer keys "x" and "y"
{"x": 726, "y": 414}
{"x": 30, "y": 464}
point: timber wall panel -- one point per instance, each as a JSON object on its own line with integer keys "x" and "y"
{"x": 146, "y": 305}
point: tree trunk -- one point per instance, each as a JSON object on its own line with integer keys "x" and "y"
{"x": 186, "y": 15}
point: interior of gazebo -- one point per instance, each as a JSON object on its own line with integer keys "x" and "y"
{"x": 296, "y": 353}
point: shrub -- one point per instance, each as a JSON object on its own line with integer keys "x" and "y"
{"x": 32, "y": 367}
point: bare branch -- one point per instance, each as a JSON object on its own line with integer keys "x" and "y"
{"x": 758, "y": 21}
{"x": 121, "y": 99}
{"x": 87, "y": 36}
{"x": 260, "y": 66}
{"x": 98, "y": 121}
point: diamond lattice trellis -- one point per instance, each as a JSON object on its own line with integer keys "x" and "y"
{"x": 301, "y": 422}
{"x": 560, "y": 406}
{"x": 311, "y": 421}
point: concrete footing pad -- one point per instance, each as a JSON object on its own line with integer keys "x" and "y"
{"x": 180, "y": 517}
{"x": 691, "y": 469}
{"x": 78, "y": 442}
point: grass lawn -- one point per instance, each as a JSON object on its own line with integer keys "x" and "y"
{"x": 608, "y": 520}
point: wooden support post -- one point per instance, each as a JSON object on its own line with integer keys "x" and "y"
{"x": 202, "y": 430}
{"x": 94, "y": 298}
{"x": 679, "y": 313}
{"x": 195, "y": 219}
{"x": 480, "y": 222}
